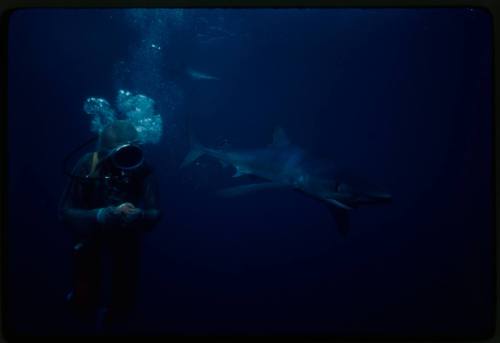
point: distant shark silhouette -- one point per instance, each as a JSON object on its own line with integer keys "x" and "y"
{"x": 198, "y": 75}
{"x": 283, "y": 166}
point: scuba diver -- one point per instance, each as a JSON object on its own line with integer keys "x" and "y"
{"x": 109, "y": 203}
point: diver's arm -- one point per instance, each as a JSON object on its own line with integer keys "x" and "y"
{"x": 86, "y": 221}
{"x": 82, "y": 221}
{"x": 79, "y": 220}
{"x": 71, "y": 210}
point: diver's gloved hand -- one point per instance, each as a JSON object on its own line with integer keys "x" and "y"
{"x": 134, "y": 215}
{"x": 121, "y": 215}
{"x": 108, "y": 216}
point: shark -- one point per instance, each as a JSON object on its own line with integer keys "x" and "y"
{"x": 282, "y": 165}
{"x": 198, "y": 75}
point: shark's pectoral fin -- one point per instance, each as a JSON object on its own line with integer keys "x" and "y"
{"x": 338, "y": 204}
{"x": 245, "y": 189}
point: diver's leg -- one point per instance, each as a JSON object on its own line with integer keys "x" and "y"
{"x": 124, "y": 283}
{"x": 84, "y": 298}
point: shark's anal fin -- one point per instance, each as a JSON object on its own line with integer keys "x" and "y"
{"x": 245, "y": 189}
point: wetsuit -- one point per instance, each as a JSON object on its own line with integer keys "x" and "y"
{"x": 96, "y": 242}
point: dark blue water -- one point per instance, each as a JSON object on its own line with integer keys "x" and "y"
{"x": 400, "y": 97}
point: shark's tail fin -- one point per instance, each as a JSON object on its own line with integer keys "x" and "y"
{"x": 194, "y": 153}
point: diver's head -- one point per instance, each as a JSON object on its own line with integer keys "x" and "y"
{"x": 117, "y": 133}
{"x": 118, "y": 143}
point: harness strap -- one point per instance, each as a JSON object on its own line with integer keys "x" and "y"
{"x": 94, "y": 163}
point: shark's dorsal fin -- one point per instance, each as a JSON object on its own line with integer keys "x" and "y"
{"x": 279, "y": 138}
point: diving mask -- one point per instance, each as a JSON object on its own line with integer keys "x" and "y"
{"x": 127, "y": 156}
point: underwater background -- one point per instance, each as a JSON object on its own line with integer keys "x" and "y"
{"x": 402, "y": 97}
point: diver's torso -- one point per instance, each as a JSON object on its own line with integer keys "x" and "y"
{"x": 112, "y": 192}
{"x": 112, "y": 187}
